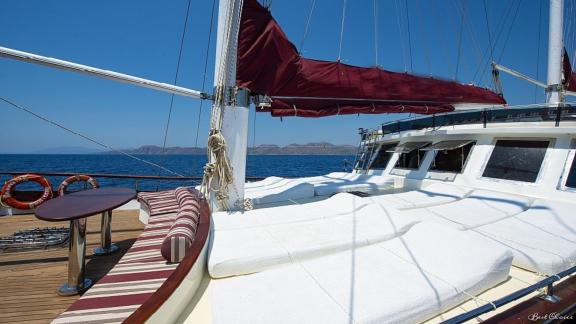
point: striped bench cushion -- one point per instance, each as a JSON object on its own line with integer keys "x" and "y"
{"x": 142, "y": 270}
{"x": 183, "y": 231}
{"x": 138, "y": 274}
{"x": 159, "y": 203}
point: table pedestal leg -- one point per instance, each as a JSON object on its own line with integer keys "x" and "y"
{"x": 106, "y": 236}
{"x": 76, "y": 255}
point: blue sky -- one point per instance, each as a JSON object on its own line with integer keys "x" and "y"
{"x": 142, "y": 38}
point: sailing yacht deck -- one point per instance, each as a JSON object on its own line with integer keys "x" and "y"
{"x": 29, "y": 279}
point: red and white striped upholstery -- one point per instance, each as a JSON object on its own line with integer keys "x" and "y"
{"x": 183, "y": 230}
{"x": 138, "y": 274}
{"x": 159, "y": 203}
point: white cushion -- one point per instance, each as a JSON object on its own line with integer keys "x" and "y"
{"x": 434, "y": 194}
{"x": 243, "y": 251}
{"x": 542, "y": 239}
{"x": 353, "y": 182}
{"x": 405, "y": 280}
{"x": 479, "y": 208}
{"x": 331, "y": 177}
{"x": 276, "y": 190}
{"x": 262, "y": 183}
{"x": 342, "y": 203}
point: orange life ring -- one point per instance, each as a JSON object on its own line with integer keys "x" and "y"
{"x": 8, "y": 191}
{"x": 75, "y": 178}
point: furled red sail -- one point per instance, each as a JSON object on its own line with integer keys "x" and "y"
{"x": 569, "y": 75}
{"x": 269, "y": 64}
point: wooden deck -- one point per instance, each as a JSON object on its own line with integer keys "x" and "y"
{"x": 29, "y": 279}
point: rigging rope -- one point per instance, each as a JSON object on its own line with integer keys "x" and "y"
{"x": 510, "y": 31}
{"x": 218, "y": 167}
{"x": 22, "y": 108}
{"x": 470, "y": 30}
{"x": 572, "y": 29}
{"x": 312, "y": 6}
{"x": 483, "y": 66}
{"x": 342, "y": 29}
{"x": 205, "y": 69}
{"x": 253, "y": 131}
{"x": 441, "y": 35}
{"x": 488, "y": 30}
{"x": 409, "y": 35}
{"x": 538, "y": 52}
{"x": 375, "y": 5}
{"x": 398, "y": 20}
{"x": 423, "y": 33}
{"x": 458, "y": 53}
{"x": 176, "y": 76}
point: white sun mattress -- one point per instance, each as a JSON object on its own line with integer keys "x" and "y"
{"x": 405, "y": 280}
{"x": 434, "y": 194}
{"x": 350, "y": 182}
{"x": 542, "y": 239}
{"x": 274, "y": 189}
{"x": 339, "y": 204}
{"x": 263, "y": 183}
{"x": 244, "y": 251}
{"x": 481, "y": 207}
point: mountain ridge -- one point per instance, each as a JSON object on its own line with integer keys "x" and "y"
{"x": 318, "y": 148}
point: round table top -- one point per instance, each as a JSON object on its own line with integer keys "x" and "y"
{"x": 84, "y": 203}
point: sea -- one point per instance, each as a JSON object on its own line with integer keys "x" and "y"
{"x": 187, "y": 165}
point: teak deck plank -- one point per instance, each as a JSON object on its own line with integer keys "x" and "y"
{"x": 29, "y": 279}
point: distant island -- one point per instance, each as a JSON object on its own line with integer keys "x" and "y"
{"x": 321, "y": 148}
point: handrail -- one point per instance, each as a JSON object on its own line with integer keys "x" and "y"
{"x": 116, "y": 176}
{"x": 548, "y": 282}
{"x": 483, "y": 117}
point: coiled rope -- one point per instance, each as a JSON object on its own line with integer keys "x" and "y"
{"x": 218, "y": 172}
{"x": 218, "y": 169}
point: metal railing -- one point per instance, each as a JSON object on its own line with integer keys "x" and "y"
{"x": 136, "y": 178}
{"x": 484, "y": 117}
{"x": 547, "y": 283}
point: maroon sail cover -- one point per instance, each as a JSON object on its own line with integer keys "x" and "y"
{"x": 269, "y": 64}
{"x": 569, "y": 75}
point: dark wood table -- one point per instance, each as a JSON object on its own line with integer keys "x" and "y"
{"x": 75, "y": 207}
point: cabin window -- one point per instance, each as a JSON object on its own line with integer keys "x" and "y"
{"x": 411, "y": 155}
{"x": 571, "y": 181}
{"x": 383, "y": 157}
{"x": 450, "y": 156}
{"x": 516, "y": 160}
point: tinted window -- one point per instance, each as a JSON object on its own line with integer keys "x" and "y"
{"x": 382, "y": 158}
{"x": 451, "y": 160}
{"x": 410, "y": 160}
{"x": 516, "y": 160}
{"x": 571, "y": 181}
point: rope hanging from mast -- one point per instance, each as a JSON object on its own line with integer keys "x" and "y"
{"x": 218, "y": 173}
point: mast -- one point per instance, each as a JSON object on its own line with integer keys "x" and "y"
{"x": 230, "y": 109}
{"x": 555, "y": 52}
